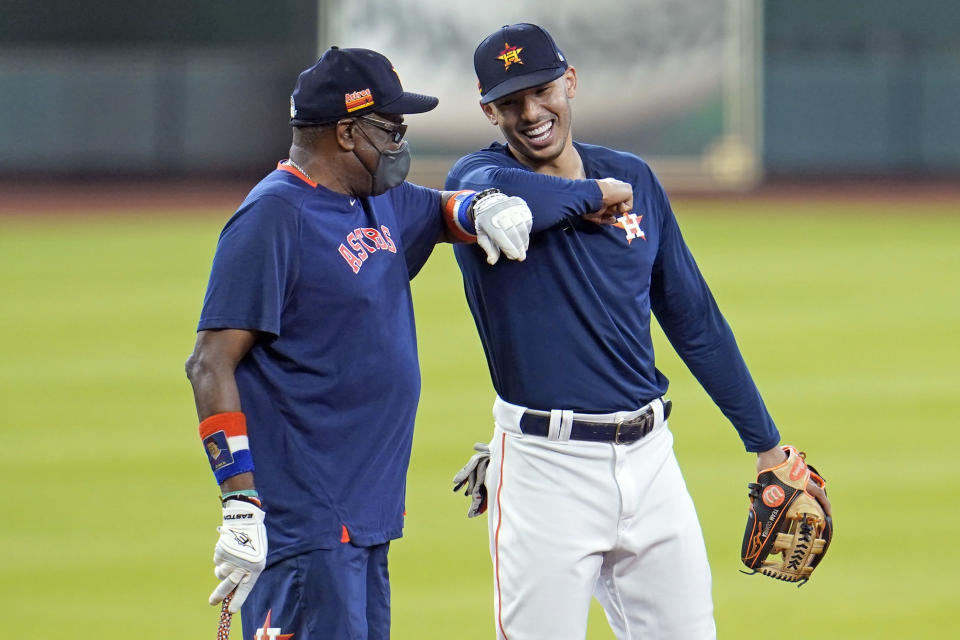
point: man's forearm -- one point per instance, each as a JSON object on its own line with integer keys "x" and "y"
{"x": 214, "y": 392}
{"x": 223, "y": 430}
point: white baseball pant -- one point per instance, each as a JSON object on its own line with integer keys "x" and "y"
{"x": 573, "y": 519}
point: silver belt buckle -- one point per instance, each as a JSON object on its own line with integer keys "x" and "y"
{"x": 644, "y": 422}
{"x": 616, "y": 434}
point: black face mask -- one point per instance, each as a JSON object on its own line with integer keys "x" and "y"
{"x": 392, "y": 167}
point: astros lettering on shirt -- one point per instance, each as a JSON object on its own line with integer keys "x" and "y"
{"x": 569, "y": 328}
{"x": 331, "y": 387}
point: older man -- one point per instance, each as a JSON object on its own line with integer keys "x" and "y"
{"x": 306, "y": 362}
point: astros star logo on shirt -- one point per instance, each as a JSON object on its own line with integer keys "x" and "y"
{"x": 630, "y": 223}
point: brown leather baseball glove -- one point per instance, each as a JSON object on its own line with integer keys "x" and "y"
{"x": 788, "y": 532}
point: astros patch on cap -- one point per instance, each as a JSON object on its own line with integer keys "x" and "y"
{"x": 352, "y": 82}
{"x": 516, "y": 57}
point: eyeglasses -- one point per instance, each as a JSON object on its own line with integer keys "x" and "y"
{"x": 396, "y": 131}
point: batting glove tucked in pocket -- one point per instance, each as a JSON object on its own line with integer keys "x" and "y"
{"x": 241, "y": 552}
{"x": 473, "y": 474}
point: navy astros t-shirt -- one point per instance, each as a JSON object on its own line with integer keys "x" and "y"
{"x": 330, "y": 389}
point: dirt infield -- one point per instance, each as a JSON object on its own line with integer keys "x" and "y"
{"x": 892, "y": 190}
{"x": 111, "y": 197}
{"x": 34, "y": 198}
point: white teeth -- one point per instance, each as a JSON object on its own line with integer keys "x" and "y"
{"x": 540, "y": 132}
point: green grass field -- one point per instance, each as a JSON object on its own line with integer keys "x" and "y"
{"x": 847, "y": 315}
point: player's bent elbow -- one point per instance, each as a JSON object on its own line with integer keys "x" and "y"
{"x": 191, "y": 367}
{"x": 199, "y": 366}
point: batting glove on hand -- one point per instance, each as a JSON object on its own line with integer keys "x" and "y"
{"x": 473, "y": 474}
{"x": 503, "y": 224}
{"x": 241, "y": 552}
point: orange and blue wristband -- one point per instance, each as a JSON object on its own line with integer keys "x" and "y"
{"x": 456, "y": 215}
{"x": 224, "y": 437}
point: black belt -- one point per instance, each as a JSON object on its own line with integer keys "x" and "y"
{"x": 622, "y": 432}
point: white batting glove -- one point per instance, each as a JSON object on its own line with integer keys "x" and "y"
{"x": 474, "y": 475}
{"x": 241, "y": 552}
{"x": 503, "y": 224}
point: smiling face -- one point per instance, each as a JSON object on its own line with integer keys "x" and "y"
{"x": 536, "y": 121}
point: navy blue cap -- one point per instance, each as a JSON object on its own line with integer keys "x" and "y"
{"x": 352, "y": 82}
{"x": 516, "y": 57}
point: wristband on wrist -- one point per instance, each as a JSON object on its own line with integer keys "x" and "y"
{"x": 250, "y": 493}
{"x": 224, "y": 437}
{"x": 243, "y": 495}
{"x": 456, "y": 213}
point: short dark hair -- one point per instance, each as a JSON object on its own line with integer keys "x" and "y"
{"x": 309, "y": 135}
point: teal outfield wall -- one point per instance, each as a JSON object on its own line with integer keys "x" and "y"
{"x": 124, "y": 111}
{"x": 149, "y": 88}
{"x": 179, "y": 87}
{"x": 862, "y": 87}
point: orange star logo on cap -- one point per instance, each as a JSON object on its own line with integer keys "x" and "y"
{"x": 510, "y": 55}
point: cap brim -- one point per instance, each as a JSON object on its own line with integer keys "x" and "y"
{"x": 408, "y": 103}
{"x": 519, "y": 83}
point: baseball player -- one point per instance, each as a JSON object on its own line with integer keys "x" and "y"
{"x": 585, "y": 494}
{"x": 306, "y": 364}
